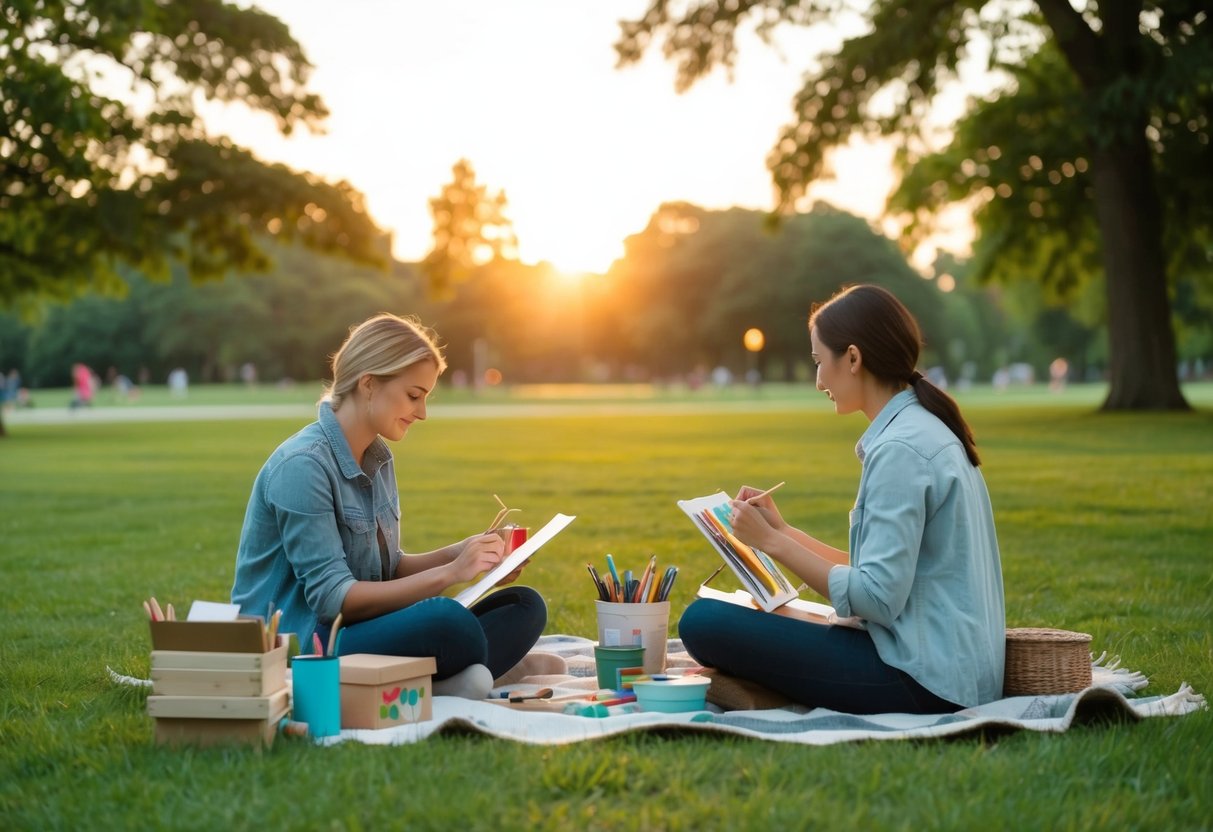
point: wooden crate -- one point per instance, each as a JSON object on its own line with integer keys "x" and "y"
{"x": 214, "y": 682}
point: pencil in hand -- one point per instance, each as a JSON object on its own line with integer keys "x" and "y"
{"x": 751, "y": 500}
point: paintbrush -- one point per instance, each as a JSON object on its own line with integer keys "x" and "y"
{"x": 751, "y": 500}
{"x": 333, "y": 635}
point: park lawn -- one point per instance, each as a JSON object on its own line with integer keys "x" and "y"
{"x": 1104, "y": 523}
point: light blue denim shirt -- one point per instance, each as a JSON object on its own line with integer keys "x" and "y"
{"x": 924, "y": 567}
{"x": 310, "y": 530}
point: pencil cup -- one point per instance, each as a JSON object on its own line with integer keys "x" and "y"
{"x": 316, "y": 691}
{"x": 632, "y": 625}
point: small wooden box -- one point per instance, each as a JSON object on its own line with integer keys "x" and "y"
{"x": 213, "y": 682}
{"x": 382, "y": 691}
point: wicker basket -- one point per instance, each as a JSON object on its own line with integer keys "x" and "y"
{"x": 1042, "y": 661}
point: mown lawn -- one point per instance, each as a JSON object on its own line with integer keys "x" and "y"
{"x": 1104, "y": 520}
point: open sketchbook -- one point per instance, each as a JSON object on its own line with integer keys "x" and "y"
{"x": 765, "y": 586}
{"x": 758, "y": 574}
{"x": 516, "y": 558}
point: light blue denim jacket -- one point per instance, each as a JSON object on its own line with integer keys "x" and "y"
{"x": 310, "y": 528}
{"x": 924, "y": 565}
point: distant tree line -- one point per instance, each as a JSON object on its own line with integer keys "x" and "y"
{"x": 679, "y": 301}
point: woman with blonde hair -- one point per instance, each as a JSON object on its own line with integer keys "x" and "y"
{"x": 321, "y": 534}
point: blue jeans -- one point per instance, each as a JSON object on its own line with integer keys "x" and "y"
{"x": 497, "y": 631}
{"x": 812, "y": 664}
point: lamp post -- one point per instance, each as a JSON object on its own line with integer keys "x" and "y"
{"x": 753, "y": 340}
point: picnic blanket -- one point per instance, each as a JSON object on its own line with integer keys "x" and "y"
{"x": 1110, "y": 698}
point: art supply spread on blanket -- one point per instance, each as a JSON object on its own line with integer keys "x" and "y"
{"x": 624, "y": 588}
{"x": 633, "y": 691}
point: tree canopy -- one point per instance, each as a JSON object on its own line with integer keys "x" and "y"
{"x": 105, "y": 159}
{"x": 1105, "y": 105}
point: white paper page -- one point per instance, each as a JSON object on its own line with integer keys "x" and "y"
{"x": 472, "y": 594}
{"x": 213, "y": 611}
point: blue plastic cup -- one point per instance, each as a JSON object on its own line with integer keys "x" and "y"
{"x": 316, "y": 693}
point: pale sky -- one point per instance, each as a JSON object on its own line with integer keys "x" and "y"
{"x": 528, "y": 92}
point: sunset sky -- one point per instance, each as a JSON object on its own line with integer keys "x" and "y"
{"x": 528, "y": 92}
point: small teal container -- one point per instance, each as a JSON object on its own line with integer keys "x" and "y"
{"x": 674, "y": 695}
{"x": 316, "y": 694}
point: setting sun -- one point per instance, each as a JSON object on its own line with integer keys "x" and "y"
{"x": 585, "y": 153}
{"x": 575, "y": 243}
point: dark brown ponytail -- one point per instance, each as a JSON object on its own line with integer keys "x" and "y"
{"x": 876, "y": 322}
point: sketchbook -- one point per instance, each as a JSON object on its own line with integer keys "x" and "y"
{"x": 513, "y": 560}
{"x": 759, "y": 575}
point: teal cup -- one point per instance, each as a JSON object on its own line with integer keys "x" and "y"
{"x": 610, "y": 660}
{"x": 316, "y": 693}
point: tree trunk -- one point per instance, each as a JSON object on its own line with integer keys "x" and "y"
{"x": 1141, "y": 342}
{"x": 1109, "y": 61}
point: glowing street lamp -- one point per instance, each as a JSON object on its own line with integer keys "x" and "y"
{"x": 753, "y": 340}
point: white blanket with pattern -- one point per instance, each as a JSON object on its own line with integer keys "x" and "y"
{"x": 1110, "y": 698}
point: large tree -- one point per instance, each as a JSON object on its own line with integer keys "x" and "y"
{"x": 106, "y": 161}
{"x": 105, "y": 157}
{"x": 1140, "y": 77}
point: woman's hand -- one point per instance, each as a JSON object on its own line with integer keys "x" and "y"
{"x": 513, "y": 576}
{"x": 751, "y": 524}
{"x": 480, "y": 553}
{"x": 766, "y": 505}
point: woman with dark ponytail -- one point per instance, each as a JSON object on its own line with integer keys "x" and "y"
{"x": 923, "y": 574}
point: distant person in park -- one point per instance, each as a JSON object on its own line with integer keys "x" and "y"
{"x": 84, "y": 385}
{"x": 248, "y": 373}
{"x": 178, "y": 383}
{"x": 1059, "y": 370}
{"x": 322, "y": 535}
{"x": 923, "y": 574}
{"x": 11, "y": 389}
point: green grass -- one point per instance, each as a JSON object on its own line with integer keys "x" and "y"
{"x": 1104, "y": 522}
